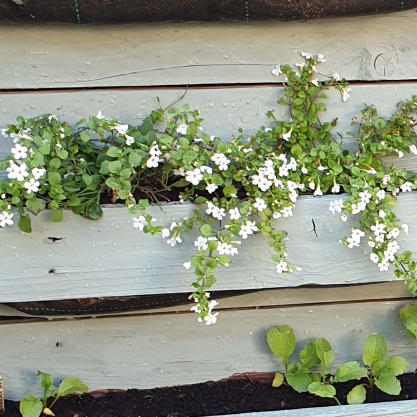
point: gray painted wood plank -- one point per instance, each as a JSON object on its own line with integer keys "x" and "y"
{"x": 175, "y": 349}
{"x": 387, "y": 409}
{"x": 363, "y": 48}
{"x": 224, "y": 110}
{"x": 110, "y": 258}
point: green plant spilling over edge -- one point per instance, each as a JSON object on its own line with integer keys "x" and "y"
{"x": 31, "y": 406}
{"x": 240, "y": 187}
{"x": 380, "y": 371}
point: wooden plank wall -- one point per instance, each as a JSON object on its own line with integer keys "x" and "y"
{"x": 74, "y": 71}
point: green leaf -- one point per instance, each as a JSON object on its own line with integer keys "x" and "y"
{"x": 180, "y": 183}
{"x": 88, "y": 179}
{"x": 25, "y": 224}
{"x": 308, "y": 356}
{"x": 54, "y": 178}
{"x": 212, "y": 245}
{"x": 296, "y": 150}
{"x": 324, "y": 353}
{"x": 322, "y": 390}
{"x": 298, "y": 377}
{"x": 85, "y": 136}
{"x": 112, "y": 183}
{"x": 229, "y": 191}
{"x": 31, "y": 406}
{"x": 93, "y": 212}
{"x": 35, "y": 205}
{"x": 380, "y": 123}
{"x": 281, "y": 341}
{"x": 73, "y": 201}
{"x": 388, "y": 383}
{"x": 349, "y": 371}
{"x": 206, "y": 230}
{"x": 200, "y": 200}
{"x": 374, "y": 350}
{"x": 278, "y": 380}
{"x": 408, "y": 315}
{"x": 62, "y": 153}
{"x": 113, "y": 151}
{"x": 55, "y": 163}
{"x": 125, "y": 173}
{"x": 47, "y": 383}
{"x": 135, "y": 159}
{"x": 357, "y": 395}
{"x": 397, "y": 365}
{"x": 115, "y": 167}
{"x": 71, "y": 386}
{"x": 57, "y": 216}
{"x": 45, "y": 149}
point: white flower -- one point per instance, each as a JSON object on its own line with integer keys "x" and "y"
{"x": 234, "y": 214}
{"x": 318, "y": 191}
{"x": 3, "y": 196}
{"x": 201, "y": 243}
{"x": 153, "y": 161}
{"x": 343, "y": 217}
{"x": 100, "y": 115}
{"x": 187, "y": 265}
{"x": 247, "y": 229}
{"x": 217, "y": 212}
{"x": 386, "y": 179}
{"x": 179, "y": 172}
{"x": 311, "y": 185}
{"x": 335, "y": 188}
{"x": 400, "y": 154}
{"x": 365, "y": 196}
{"x": 276, "y": 70}
{"x": 378, "y": 228}
{"x": 130, "y": 140}
{"x": 286, "y": 212}
{"x": 406, "y": 187}
{"x": 207, "y": 169}
{"x": 315, "y": 82}
{"x": 19, "y": 151}
{"x": 121, "y": 129}
{"x": 404, "y": 228}
{"x": 211, "y": 188}
{"x": 321, "y": 168}
{"x": 260, "y": 204}
{"x": 276, "y": 215}
{"x": 165, "y": 233}
{"x": 304, "y": 170}
{"x": 413, "y": 149}
{"x": 264, "y": 184}
{"x": 336, "y": 77}
{"x": 374, "y": 258}
{"x": 320, "y": 58}
{"x": 357, "y": 234}
{"x": 393, "y": 233}
{"x": 352, "y": 242}
{"x": 32, "y": 186}
{"x": 281, "y": 267}
{"x": 182, "y": 129}
{"x": 38, "y": 172}
{"x": 306, "y": 55}
{"x": 211, "y": 319}
{"x": 286, "y": 136}
{"x": 336, "y": 206}
{"x": 383, "y": 265}
{"x": 17, "y": 172}
{"x": 6, "y": 219}
{"x": 380, "y": 195}
{"x": 371, "y": 243}
{"x": 345, "y": 93}
{"x": 139, "y": 223}
{"x": 154, "y": 150}
{"x": 382, "y": 214}
{"x": 194, "y": 177}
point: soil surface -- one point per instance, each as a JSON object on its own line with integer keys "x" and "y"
{"x": 239, "y": 394}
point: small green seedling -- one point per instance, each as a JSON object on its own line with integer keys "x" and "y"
{"x": 381, "y": 372}
{"x": 408, "y": 315}
{"x": 317, "y": 353}
{"x": 31, "y": 406}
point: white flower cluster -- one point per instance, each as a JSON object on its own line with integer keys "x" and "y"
{"x": 121, "y": 130}
{"x": 217, "y": 212}
{"x": 154, "y": 159}
{"x": 223, "y": 248}
{"x": 247, "y": 229}
{"x": 221, "y": 160}
{"x": 209, "y": 318}
{"x": 24, "y": 134}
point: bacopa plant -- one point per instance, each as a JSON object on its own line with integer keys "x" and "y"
{"x": 239, "y": 187}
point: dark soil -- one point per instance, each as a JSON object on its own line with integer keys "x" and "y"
{"x": 239, "y": 394}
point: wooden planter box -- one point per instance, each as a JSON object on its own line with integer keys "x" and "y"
{"x": 339, "y": 294}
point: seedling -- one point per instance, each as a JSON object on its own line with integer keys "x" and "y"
{"x": 31, "y": 406}
{"x": 317, "y": 353}
{"x": 381, "y": 372}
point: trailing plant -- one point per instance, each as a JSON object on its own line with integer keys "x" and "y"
{"x": 408, "y": 316}
{"x": 31, "y": 406}
{"x": 318, "y": 355}
{"x": 240, "y": 188}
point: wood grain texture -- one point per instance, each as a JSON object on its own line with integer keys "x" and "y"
{"x": 388, "y": 409}
{"x": 224, "y": 110}
{"x": 109, "y": 258}
{"x": 362, "y": 48}
{"x": 175, "y": 349}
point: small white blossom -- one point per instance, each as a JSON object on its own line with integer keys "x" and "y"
{"x": 154, "y": 150}
{"x": 281, "y": 267}
{"x": 201, "y": 243}
{"x": 345, "y": 93}
{"x": 336, "y": 77}
{"x": 121, "y": 129}
{"x": 38, "y": 172}
{"x": 304, "y": 170}
{"x": 234, "y": 214}
{"x": 286, "y": 136}
{"x": 335, "y": 188}
{"x": 322, "y": 168}
{"x": 343, "y": 217}
{"x": 382, "y": 214}
{"x": 19, "y": 151}
{"x": 276, "y": 70}
{"x": 404, "y": 228}
{"x": 211, "y": 188}
{"x": 187, "y": 265}
{"x": 139, "y": 223}
{"x": 17, "y": 172}
{"x": 380, "y": 195}
{"x": 286, "y": 212}
{"x": 153, "y": 162}
{"x": 182, "y": 129}
{"x": 32, "y": 186}
{"x": 406, "y": 187}
{"x": 378, "y": 228}
{"x": 207, "y": 169}
{"x": 374, "y": 258}
{"x": 194, "y": 177}
{"x": 317, "y": 191}
{"x": 413, "y": 149}
{"x": 365, "y": 196}
{"x": 6, "y": 219}
{"x": 311, "y": 185}
{"x": 386, "y": 179}
{"x": 260, "y": 204}
{"x": 130, "y": 140}
{"x": 247, "y": 229}
{"x": 165, "y": 233}
{"x": 217, "y": 212}
{"x": 400, "y": 154}
{"x": 383, "y": 265}
{"x": 393, "y": 234}
{"x": 336, "y": 206}
{"x": 320, "y": 58}
{"x": 315, "y": 82}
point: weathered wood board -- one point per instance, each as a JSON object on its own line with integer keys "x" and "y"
{"x": 363, "y": 48}
{"x": 113, "y": 259}
{"x": 162, "y": 350}
{"x": 389, "y": 409}
{"x": 224, "y": 110}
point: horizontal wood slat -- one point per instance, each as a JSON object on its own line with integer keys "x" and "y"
{"x": 154, "y": 351}
{"x": 363, "y": 48}
{"x": 113, "y": 259}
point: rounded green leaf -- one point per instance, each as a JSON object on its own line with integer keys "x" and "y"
{"x": 35, "y": 205}
{"x": 308, "y": 356}
{"x": 388, "y": 383}
{"x": 281, "y": 341}
{"x": 113, "y": 151}
{"x": 206, "y": 230}
{"x": 135, "y": 159}
{"x": 57, "y": 216}
{"x": 322, "y": 390}
{"x": 73, "y": 201}
{"x": 62, "y": 153}
{"x": 71, "y": 386}
{"x": 25, "y": 224}
{"x": 30, "y": 406}
{"x": 278, "y": 380}
{"x": 54, "y": 178}
{"x": 55, "y": 163}
{"x": 349, "y": 371}
{"x": 298, "y": 377}
{"x": 88, "y": 179}
{"x": 115, "y": 167}
{"x": 397, "y": 365}
{"x": 374, "y": 350}
{"x": 112, "y": 183}
{"x": 357, "y": 395}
